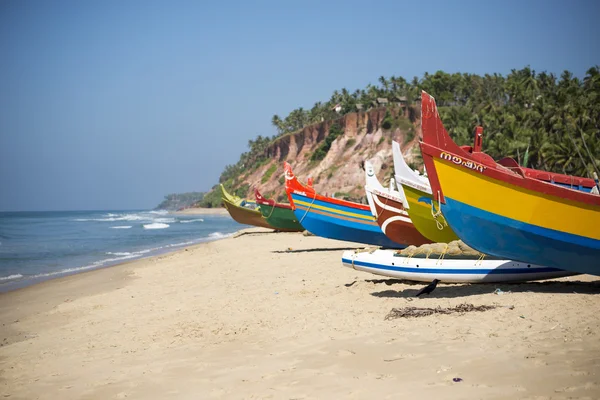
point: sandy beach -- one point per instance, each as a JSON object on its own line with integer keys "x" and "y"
{"x": 275, "y": 315}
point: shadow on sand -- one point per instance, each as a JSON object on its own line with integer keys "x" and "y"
{"x": 259, "y": 233}
{"x": 451, "y": 290}
{"x": 323, "y": 249}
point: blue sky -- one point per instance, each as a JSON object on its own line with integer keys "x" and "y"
{"x": 113, "y": 104}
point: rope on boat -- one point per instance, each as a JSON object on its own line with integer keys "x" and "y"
{"x": 440, "y": 259}
{"x": 309, "y": 207}
{"x": 480, "y": 259}
{"x": 438, "y": 213}
{"x": 272, "y": 210}
{"x": 369, "y": 250}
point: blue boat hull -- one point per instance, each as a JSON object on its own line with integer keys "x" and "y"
{"x": 503, "y": 237}
{"x": 338, "y": 222}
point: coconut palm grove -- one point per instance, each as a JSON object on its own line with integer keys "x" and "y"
{"x": 542, "y": 120}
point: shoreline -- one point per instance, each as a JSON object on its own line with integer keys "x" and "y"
{"x": 276, "y": 315}
{"x": 201, "y": 211}
{"x": 68, "y": 277}
{"x": 26, "y": 282}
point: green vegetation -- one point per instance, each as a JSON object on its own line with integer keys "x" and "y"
{"x": 410, "y": 135}
{"x": 334, "y": 131}
{"x": 342, "y": 195}
{"x": 350, "y": 197}
{"x": 403, "y": 123}
{"x": 388, "y": 121}
{"x": 558, "y": 118}
{"x": 242, "y": 190}
{"x": 176, "y": 201}
{"x": 211, "y": 199}
{"x": 250, "y": 159}
{"x": 268, "y": 173}
{"x": 351, "y": 142}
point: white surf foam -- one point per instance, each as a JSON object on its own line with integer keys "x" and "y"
{"x": 180, "y": 244}
{"x": 156, "y": 225}
{"x": 159, "y": 212}
{"x": 114, "y": 217}
{"x": 121, "y": 227}
{"x": 164, "y": 220}
{"x": 96, "y": 264}
{"x": 187, "y": 221}
{"x": 133, "y": 253}
{"x": 219, "y": 235}
{"x": 9, "y": 277}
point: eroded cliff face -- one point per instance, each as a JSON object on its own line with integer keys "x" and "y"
{"x": 339, "y": 174}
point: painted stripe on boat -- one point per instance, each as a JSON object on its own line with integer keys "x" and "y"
{"x": 366, "y": 215}
{"x": 466, "y": 209}
{"x": 478, "y": 271}
{"x": 403, "y": 214}
{"x": 531, "y": 208}
{"x": 335, "y": 215}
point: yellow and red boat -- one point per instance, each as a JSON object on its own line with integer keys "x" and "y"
{"x": 243, "y": 211}
{"x": 508, "y": 211}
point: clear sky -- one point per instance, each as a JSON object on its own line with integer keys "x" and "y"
{"x": 113, "y": 104}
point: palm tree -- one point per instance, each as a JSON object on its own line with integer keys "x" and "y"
{"x": 384, "y": 84}
{"x": 277, "y": 123}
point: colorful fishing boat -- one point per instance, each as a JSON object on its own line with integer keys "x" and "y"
{"x": 243, "y": 211}
{"x": 419, "y": 204}
{"x": 387, "y": 206}
{"x": 447, "y": 269}
{"x": 333, "y": 218}
{"x": 278, "y": 215}
{"x": 507, "y": 211}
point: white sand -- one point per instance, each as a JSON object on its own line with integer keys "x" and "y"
{"x": 244, "y": 318}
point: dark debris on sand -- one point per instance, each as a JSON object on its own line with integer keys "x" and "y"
{"x": 415, "y": 312}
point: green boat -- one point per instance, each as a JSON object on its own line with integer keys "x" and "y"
{"x": 420, "y": 205}
{"x": 243, "y": 211}
{"x": 279, "y": 215}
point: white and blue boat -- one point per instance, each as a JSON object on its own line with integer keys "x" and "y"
{"x": 477, "y": 269}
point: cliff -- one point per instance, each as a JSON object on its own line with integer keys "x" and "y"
{"x": 364, "y": 136}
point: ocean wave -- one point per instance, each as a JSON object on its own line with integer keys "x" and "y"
{"x": 192, "y": 220}
{"x": 219, "y": 235}
{"x": 164, "y": 220}
{"x": 96, "y": 264}
{"x": 114, "y": 217}
{"x": 133, "y": 253}
{"x": 119, "y": 253}
{"x": 10, "y": 277}
{"x": 121, "y": 227}
{"x": 159, "y": 212}
{"x": 156, "y": 225}
{"x": 181, "y": 244}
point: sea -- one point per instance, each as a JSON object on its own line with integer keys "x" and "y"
{"x": 37, "y": 246}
